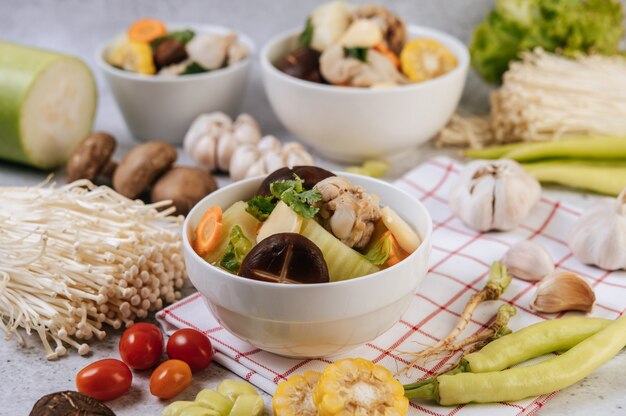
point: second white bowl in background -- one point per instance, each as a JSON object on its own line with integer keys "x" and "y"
{"x": 162, "y": 108}
{"x": 348, "y": 124}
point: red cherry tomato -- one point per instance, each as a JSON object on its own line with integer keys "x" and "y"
{"x": 170, "y": 378}
{"x": 104, "y": 380}
{"x": 141, "y": 346}
{"x": 192, "y": 347}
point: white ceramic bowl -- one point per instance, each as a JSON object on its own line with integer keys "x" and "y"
{"x": 162, "y": 108}
{"x": 353, "y": 124}
{"x": 317, "y": 319}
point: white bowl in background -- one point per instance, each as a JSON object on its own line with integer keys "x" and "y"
{"x": 310, "y": 320}
{"x": 162, "y": 108}
{"x": 350, "y": 124}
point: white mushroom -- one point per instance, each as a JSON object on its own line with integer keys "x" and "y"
{"x": 213, "y": 138}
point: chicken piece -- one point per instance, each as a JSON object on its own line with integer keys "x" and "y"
{"x": 339, "y": 69}
{"x": 348, "y": 211}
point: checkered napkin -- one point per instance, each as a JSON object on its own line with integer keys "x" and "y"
{"x": 459, "y": 267}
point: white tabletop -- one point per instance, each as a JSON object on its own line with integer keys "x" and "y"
{"x": 78, "y": 26}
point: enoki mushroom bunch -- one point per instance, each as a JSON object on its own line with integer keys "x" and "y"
{"x": 77, "y": 257}
{"x": 548, "y": 97}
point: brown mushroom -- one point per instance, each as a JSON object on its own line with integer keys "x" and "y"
{"x": 142, "y": 166}
{"x": 184, "y": 186}
{"x": 169, "y": 52}
{"x": 69, "y": 403}
{"x": 92, "y": 158}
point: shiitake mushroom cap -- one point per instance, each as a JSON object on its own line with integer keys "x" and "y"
{"x": 285, "y": 258}
{"x": 69, "y": 403}
{"x": 302, "y": 63}
{"x": 311, "y": 175}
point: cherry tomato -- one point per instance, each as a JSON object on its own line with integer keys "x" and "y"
{"x": 104, "y": 380}
{"x": 192, "y": 347}
{"x": 141, "y": 346}
{"x": 170, "y": 378}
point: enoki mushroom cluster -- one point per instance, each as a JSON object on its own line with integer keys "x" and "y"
{"x": 548, "y": 97}
{"x": 78, "y": 257}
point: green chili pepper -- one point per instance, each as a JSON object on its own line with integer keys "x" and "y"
{"x": 522, "y": 382}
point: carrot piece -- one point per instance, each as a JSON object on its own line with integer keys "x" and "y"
{"x": 208, "y": 231}
{"x": 146, "y": 30}
{"x": 382, "y": 48}
{"x": 396, "y": 253}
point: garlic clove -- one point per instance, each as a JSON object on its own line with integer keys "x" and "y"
{"x": 204, "y": 153}
{"x": 528, "y": 260}
{"x": 246, "y": 130}
{"x": 268, "y": 143}
{"x": 598, "y": 237}
{"x": 226, "y": 146}
{"x": 493, "y": 195}
{"x": 242, "y": 160}
{"x": 273, "y": 160}
{"x": 563, "y": 291}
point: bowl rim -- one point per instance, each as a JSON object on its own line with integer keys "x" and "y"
{"x": 425, "y": 238}
{"x": 462, "y": 56}
{"x": 201, "y": 27}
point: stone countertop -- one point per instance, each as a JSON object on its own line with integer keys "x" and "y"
{"x": 78, "y": 26}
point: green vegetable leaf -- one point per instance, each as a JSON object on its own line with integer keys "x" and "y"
{"x": 292, "y": 193}
{"x": 566, "y": 26}
{"x": 305, "y": 38}
{"x": 357, "y": 53}
{"x": 380, "y": 252}
{"x": 194, "y": 68}
{"x": 260, "y": 207}
{"x": 238, "y": 247}
{"x": 183, "y": 36}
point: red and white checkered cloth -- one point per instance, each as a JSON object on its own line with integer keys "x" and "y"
{"x": 459, "y": 265}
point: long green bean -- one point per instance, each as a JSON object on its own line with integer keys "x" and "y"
{"x": 521, "y": 382}
{"x": 604, "y": 147}
{"x": 527, "y": 343}
{"x": 603, "y": 177}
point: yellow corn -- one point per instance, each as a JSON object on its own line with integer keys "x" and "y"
{"x": 423, "y": 59}
{"x": 293, "y": 397}
{"x": 359, "y": 387}
{"x": 132, "y": 56}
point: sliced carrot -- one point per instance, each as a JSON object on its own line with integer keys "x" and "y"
{"x": 396, "y": 253}
{"x": 146, "y": 30}
{"x": 208, "y": 231}
{"x": 382, "y": 48}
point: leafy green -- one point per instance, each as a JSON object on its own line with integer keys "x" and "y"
{"x": 260, "y": 207}
{"x": 183, "y": 36}
{"x": 566, "y": 26}
{"x": 357, "y": 53}
{"x": 238, "y": 247}
{"x": 380, "y": 252}
{"x": 194, "y": 68}
{"x": 292, "y": 193}
{"x": 305, "y": 38}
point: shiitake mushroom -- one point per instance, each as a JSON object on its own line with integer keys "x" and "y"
{"x": 311, "y": 175}
{"x": 303, "y": 63}
{"x": 285, "y": 258}
{"x": 69, "y": 403}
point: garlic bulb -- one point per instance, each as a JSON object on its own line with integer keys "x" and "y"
{"x": 493, "y": 195}
{"x": 599, "y": 235}
{"x": 213, "y": 138}
{"x": 563, "y": 291}
{"x": 265, "y": 157}
{"x": 528, "y": 260}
